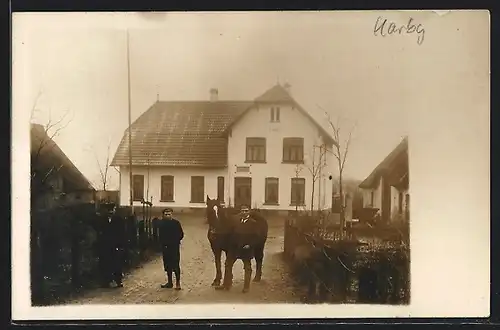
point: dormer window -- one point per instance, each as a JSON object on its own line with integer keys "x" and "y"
{"x": 275, "y": 114}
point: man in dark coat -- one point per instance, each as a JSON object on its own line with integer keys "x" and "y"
{"x": 112, "y": 247}
{"x": 171, "y": 235}
{"x": 242, "y": 242}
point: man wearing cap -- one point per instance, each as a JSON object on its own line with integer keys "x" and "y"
{"x": 171, "y": 235}
{"x": 241, "y": 247}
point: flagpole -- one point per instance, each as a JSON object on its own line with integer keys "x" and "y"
{"x": 129, "y": 129}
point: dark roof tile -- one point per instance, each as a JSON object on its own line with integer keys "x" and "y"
{"x": 181, "y": 134}
{"x": 190, "y": 133}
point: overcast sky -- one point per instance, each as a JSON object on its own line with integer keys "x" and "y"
{"x": 331, "y": 60}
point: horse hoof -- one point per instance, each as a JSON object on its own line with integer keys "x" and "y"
{"x": 257, "y": 279}
{"x": 245, "y": 290}
{"x": 222, "y": 288}
{"x": 216, "y": 283}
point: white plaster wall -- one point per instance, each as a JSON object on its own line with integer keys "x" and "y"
{"x": 182, "y": 184}
{"x": 256, "y": 123}
{"x": 395, "y": 203}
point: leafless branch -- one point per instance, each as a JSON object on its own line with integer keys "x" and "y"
{"x": 40, "y": 176}
{"x": 103, "y": 170}
{"x": 53, "y": 169}
{"x": 346, "y": 150}
{"x": 49, "y": 136}
{"x": 340, "y": 151}
{"x": 33, "y": 108}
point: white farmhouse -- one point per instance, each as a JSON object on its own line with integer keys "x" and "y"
{"x": 262, "y": 153}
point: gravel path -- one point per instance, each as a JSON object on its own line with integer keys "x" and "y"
{"x": 142, "y": 285}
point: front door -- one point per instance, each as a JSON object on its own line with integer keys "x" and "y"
{"x": 242, "y": 191}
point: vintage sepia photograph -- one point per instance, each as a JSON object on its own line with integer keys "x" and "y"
{"x": 222, "y": 158}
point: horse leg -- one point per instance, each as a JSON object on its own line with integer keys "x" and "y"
{"x": 228, "y": 273}
{"x": 259, "y": 256}
{"x": 247, "y": 265}
{"x": 218, "y": 274}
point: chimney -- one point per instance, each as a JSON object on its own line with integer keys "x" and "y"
{"x": 287, "y": 87}
{"x": 214, "y": 94}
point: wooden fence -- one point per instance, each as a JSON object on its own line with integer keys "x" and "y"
{"x": 64, "y": 249}
{"x": 348, "y": 270}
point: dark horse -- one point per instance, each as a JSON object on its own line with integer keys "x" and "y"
{"x": 222, "y": 223}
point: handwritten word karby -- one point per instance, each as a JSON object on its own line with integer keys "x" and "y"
{"x": 385, "y": 28}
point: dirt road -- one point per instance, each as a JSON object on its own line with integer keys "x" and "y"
{"x": 142, "y": 285}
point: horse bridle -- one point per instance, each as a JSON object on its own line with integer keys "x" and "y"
{"x": 215, "y": 208}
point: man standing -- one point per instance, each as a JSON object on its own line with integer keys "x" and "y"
{"x": 241, "y": 247}
{"x": 171, "y": 235}
{"x": 112, "y": 245}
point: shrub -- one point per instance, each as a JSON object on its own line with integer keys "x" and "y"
{"x": 65, "y": 249}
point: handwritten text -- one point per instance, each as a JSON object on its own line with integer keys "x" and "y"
{"x": 386, "y": 28}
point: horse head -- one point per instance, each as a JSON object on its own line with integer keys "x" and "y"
{"x": 213, "y": 212}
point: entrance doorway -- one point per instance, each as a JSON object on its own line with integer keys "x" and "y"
{"x": 242, "y": 191}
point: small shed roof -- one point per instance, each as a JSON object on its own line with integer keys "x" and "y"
{"x": 45, "y": 154}
{"x": 387, "y": 164}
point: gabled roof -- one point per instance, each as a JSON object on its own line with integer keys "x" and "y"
{"x": 181, "y": 133}
{"x": 387, "y": 164}
{"x": 278, "y": 94}
{"x": 191, "y": 133}
{"x": 45, "y": 154}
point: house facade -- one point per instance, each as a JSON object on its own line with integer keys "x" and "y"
{"x": 55, "y": 180}
{"x": 265, "y": 153}
{"x": 387, "y": 186}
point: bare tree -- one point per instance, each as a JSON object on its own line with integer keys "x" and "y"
{"x": 340, "y": 152}
{"x": 104, "y": 168}
{"x": 315, "y": 168}
{"x": 298, "y": 170}
{"x": 44, "y": 142}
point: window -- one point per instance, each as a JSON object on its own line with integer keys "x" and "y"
{"x": 138, "y": 187}
{"x": 197, "y": 189}
{"x": 371, "y": 198}
{"x": 275, "y": 114}
{"x": 272, "y": 190}
{"x": 298, "y": 191}
{"x": 293, "y": 150}
{"x": 167, "y": 188}
{"x": 220, "y": 188}
{"x": 256, "y": 150}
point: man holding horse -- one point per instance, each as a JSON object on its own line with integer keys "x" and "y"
{"x": 244, "y": 238}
